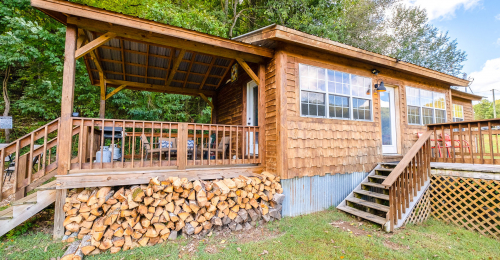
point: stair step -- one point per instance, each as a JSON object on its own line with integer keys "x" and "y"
{"x": 384, "y": 170}
{"x": 30, "y": 199}
{"x": 368, "y": 204}
{"x": 363, "y": 214}
{"x": 373, "y": 184}
{"x": 372, "y": 194}
{"x": 49, "y": 186}
{"x": 376, "y": 176}
{"x": 7, "y": 213}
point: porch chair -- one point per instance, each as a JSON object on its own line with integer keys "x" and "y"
{"x": 149, "y": 147}
{"x": 173, "y": 147}
{"x": 217, "y": 150}
{"x": 447, "y": 144}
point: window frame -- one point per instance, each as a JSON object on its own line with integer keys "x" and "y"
{"x": 350, "y": 97}
{"x": 453, "y": 113}
{"x": 421, "y": 106}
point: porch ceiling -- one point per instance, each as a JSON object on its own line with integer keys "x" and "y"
{"x": 136, "y": 61}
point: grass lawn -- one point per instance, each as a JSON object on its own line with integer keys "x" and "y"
{"x": 325, "y": 235}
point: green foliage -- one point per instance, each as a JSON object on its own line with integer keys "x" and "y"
{"x": 484, "y": 109}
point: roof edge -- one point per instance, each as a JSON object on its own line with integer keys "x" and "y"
{"x": 285, "y": 34}
{"x": 465, "y": 95}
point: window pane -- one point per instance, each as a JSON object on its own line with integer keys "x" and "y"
{"x": 412, "y": 96}
{"x": 427, "y": 114}
{"x": 361, "y": 109}
{"x": 439, "y": 100}
{"x": 426, "y": 98}
{"x": 338, "y": 106}
{"x": 440, "y": 116}
{"x": 312, "y": 104}
{"x": 413, "y": 115}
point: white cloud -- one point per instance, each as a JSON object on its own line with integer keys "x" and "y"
{"x": 443, "y": 8}
{"x": 497, "y": 17}
{"x": 487, "y": 78}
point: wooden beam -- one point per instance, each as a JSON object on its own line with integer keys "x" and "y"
{"x": 175, "y": 66}
{"x": 94, "y": 44}
{"x": 208, "y": 72}
{"x": 102, "y": 107}
{"x": 159, "y": 88}
{"x": 116, "y": 90}
{"x": 248, "y": 70}
{"x": 82, "y": 38}
{"x": 97, "y": 62}
{"x": 225, "y": 74}
{"x": 64, "y": 132}
{"x": 146, "y": 35}
{"x": 210, "y": 104}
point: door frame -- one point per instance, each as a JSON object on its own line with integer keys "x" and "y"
{"x": 250, "y": 109}
{"x": 396, "y": 128}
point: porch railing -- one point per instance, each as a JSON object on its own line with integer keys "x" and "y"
{"x": 408, "y": 178}
{"x": 476, "y": 142}
{"x": 29, "y": 161}
{"x": 120, "y": 144}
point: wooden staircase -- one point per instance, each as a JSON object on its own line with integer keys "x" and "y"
{"x": 33, "y": 162}
{"x": 25, "y": 208}
{"x": 389, "y": 193}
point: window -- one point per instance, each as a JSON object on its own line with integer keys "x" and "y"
{"x": 458, "y": 113}
{"x": 334, "y": 94}
{"x": 425, "y": 107}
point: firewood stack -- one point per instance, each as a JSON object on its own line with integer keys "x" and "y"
{"x": 124, "y": 218}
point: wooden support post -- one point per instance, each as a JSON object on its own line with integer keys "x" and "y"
{"x": 182, "y": 146}
{"x": 102, "y": 107}
{"x": 214, "y": 110}
{"x": 66, "y": 126}
{"x": 21, "y": 174}
{"x": 262, "y": 114}
{"x": 210, "y": 104}
{"x": 281, "y": 104}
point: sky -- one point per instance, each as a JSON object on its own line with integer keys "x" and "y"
{"x": 476, "y": 26}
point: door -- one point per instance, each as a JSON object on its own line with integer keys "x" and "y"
{"x": 388, "y": 118}
{"x": 252, "y": 116}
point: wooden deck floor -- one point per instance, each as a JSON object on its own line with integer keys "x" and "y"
{"x": 99, "y": 178}
{"x": 466, "y": 167}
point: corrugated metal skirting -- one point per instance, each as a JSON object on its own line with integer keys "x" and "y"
{"x": 311, "y": 194}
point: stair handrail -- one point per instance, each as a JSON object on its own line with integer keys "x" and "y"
{"x": 408, "y": 177}
{"x": 34, "y": 178}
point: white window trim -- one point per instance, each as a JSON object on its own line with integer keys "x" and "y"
{"x": 421, "y": 110}
{"x": 327, "y": 104}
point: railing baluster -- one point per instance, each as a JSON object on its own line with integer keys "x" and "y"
{"x": 80, "y": 145}
{"x": 237, "y": 142}
{"x": 230, "y": 142}
{"x": 210, "y": 144}
{"x": 460, "y": 138}
{"x": 102, "y": 144}
{"x": 30, "y": 162}
{"x": 92, "y": 145}
{"x": 216, "y": 143}
{"x": 152, "y": 146}
{"x": 159, "y": 142}
{"x": 471, "y": 147}
{"x": 113, "y": 144}
{"x": 16, "y": 165}
{"x": 142, "y": 144}
{"x": 481, "y": 143}
{"x": 2, "y": 169}
{"x": 133, "y": 145}
{"x": 123, "y": 144}
{"x": 490, "y": 138}
{"x": 194, "y": 146}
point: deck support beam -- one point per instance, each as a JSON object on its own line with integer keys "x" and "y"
{"x": 94, "y": 44}
{"x": 116, "y": 90}
{"x": 210, "y": 104}
{"x": 175, "y": 66}
{"x": 248, "y": 70}
{"x": 65, "y": 129}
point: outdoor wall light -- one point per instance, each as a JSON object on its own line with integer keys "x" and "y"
{"x": 375, "y": 71}
{"x": 379, "y": 87}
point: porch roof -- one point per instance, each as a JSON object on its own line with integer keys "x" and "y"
{"x": 465, "y": 95}
{"x": 147, "y": 55}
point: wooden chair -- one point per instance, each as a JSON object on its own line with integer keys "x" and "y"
{"x": 149, "y": 147}
{"x": 173, "y": 148}
{"x": 219, "y": 149}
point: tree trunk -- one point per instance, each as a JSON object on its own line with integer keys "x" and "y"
{"x": 7, "y": 101}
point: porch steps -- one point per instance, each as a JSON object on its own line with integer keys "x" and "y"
{"x": 370, "y": 199}
{"x": 23, "y": 209}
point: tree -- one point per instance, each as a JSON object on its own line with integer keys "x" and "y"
{"x": 416, "y": 41}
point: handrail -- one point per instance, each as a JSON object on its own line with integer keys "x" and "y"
{"x": 33, "y": 167}
{"x": 389, "y": 181}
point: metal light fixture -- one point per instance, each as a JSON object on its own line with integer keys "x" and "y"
{"x": 375, "y": 71}
{"x": 380, "y": 87}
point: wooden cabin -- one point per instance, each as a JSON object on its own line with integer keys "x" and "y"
{"x": 307, "y": 109}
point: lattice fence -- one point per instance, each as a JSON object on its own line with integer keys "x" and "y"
{"x": 467, "y": 202}
{"x": 421, "y": 211}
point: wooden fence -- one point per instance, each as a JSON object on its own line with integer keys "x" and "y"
{"x": 141, "y": 144}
